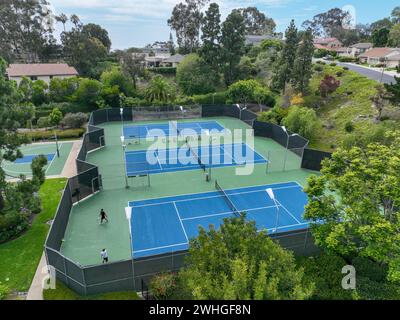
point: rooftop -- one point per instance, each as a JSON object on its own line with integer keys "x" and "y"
{"x": 41, "y": 69}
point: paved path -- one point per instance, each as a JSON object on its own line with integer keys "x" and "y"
{"x": 36, "y": 291}
{"x": 369, "y": 73}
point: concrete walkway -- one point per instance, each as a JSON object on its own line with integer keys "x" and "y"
{"x": 36, "y": 291}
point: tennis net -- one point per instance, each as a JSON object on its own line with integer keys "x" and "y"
{"x": 194, "y": 154}
{"x": 227, "y": 200}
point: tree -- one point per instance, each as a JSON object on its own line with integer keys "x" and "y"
{"x": 256, "y": 23}
{"x": 186, "y": 21}
{"x": 92, "y": 30}
{"x": 393, "y": 90}
{"x": 171, "y": 45}
{"x": 303, "y": 121}
{"x": 82, "y": 48}
{"x": 159, "y": 90}
{"x": 26, "y": 29}
{"x": 210, "y": 51}
{"x": 132, "y": 64}
{"x": 302, "y": 66}
{"x": 39, "y": 92}
{"x": 380, "y": 37}
{"x": 11, "y": 118}
{"x": 115, "y": 77}
{"x": 242, "y": 263}
{"x": 63, "y": 19}
{"x": 328, "y": 85}
{"x": 38, "y": 172}
{"x": 329, "y": 23}
{"x": 195, "y": 77}
{"x": 88, "y": 92}
{"x": 359, "y": 215}
{"x": 394, "y": 36}
{"x": 55, "y": 117}
{"x": 285, "y": 64}
{"x": 232, "y": 41}
{"x": 395, "y": 15}
{"x": 243, "y": 91}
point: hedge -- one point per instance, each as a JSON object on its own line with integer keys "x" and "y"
{"x": 61, "y": 134}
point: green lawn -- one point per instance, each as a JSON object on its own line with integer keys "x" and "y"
{"x": 63, "y": 293}
{"x": 19, "y": 258}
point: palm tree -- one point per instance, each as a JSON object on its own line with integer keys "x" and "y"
{"x": 159, "y": 89}
{"x": 63, "y": 19}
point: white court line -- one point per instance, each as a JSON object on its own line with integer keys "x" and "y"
{"x": 245, "y": 187}
{"x": 226, "y": 213}
{"x": 287, "y": 211}
{"x": 162, "y": 247}
{"x": 208, "y": 197}
{"x": 55, "y": 155}
{"x": 180, "y": 220}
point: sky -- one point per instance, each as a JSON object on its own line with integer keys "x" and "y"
{"x": 135, "y": 23}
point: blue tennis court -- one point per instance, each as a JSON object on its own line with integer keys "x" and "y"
{"x": 30, "y": 157}
{"x": 163, "y": 129}
{"x": 182, "y": 159}
{"x": 167, "y": 224}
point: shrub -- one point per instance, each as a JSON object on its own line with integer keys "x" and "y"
{"x": 61, "y": 134}
{"x": 163, "y": 70}
{"x": 339, "y": 73}
{"x": 4, "y": 291}
{"x": 333, "y": 64}
{"x": 346, "y": 68}
{"x": 347, "y": 59}
{"x": 195, "y": 77}
{"x": 211, "y": 98}
{"x": 12, "y": 223}
{"x": 275, "y": 115}
{"x": 37, "y": 165}
{"x": 349, "y": 126}
{"x": 325, "y": 271}
{"x": 303, "y": 121}
{"x": 320, "y": 53}
{"x": 318, "y": 68}
{"x": 44, "y": 122}
{"x": 74, "y": 120}
{"x": 163, "y": 285}
{"x": 328, "y": 85}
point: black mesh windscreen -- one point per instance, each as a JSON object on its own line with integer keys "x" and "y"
{"x": 108, "y": 272}
{"x": 212, "y": 110}
{"x": 99, "y": 116}
{"x": 312, "y": 159}
{"x": 56, "y": 233}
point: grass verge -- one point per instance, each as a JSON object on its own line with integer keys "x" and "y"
{"x": 63, "y": 293}
{"x": 19, "y": 258}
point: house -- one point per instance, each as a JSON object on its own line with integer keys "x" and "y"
{"x": 388, "y": 56}
{"x": 173, "y": 61}
{"x": 41, "y": 71}
{"x": 360, "y": 48}
{"x": 343, "y": 52}
{"x": 256, "y": 39}
{"x": 327, "y": 43}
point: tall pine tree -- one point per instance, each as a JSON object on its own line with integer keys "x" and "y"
{"x": 210, "y": 52}
{"x": 233, "y": 44}
{"x": 302, "y": 69}
{"x": 284, "y": 68}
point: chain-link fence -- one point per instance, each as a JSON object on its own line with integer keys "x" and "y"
{"x": 131, "y": 274}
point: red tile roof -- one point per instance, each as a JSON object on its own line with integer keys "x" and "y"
{"x": 325, "y": 40}
{"x": 44, "y": 69}
{"x": 377, "y": 53}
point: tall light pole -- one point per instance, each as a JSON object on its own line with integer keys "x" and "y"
{"x": 124, "y": 161}
{"x": 287, "y": 144}
{"x": 56, "y": 138}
